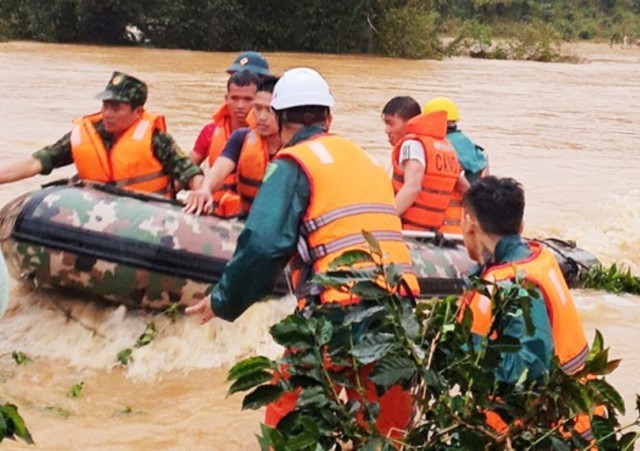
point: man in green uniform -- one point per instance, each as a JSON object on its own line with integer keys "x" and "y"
{"x": 122, "y": 109}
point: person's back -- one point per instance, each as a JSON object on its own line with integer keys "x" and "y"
{"x": 492, "y": 222}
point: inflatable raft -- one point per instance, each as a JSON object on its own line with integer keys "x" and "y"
{"x": 143, "y": 251}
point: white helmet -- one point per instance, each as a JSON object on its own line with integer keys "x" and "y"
{"x": 301, "y": 87}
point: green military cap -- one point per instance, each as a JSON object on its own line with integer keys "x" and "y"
{"x": 125, "y": 88}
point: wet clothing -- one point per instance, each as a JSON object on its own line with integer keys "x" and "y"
{"x": 537, "y": 350}
{"x": 174, "y": 162}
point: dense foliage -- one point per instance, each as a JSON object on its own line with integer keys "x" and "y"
{"x": 615, "y": 279}
{"x": 12, "y": 425}
{"x": 429, "y": 351}
{"x": 404, "y": 28}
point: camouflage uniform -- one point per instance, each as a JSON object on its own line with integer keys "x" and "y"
{"x": 126, "y": 89}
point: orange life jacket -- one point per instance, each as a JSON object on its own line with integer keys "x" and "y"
{"x": 226, "y": 201}
{"x": 252, "y": 164}
{"x": 541, "y": 268}
{"x": 350, "y": 193}
{"x": 129, "y": 164}
{"x": 441, "y": 173}
{"x": 453, "y": 214}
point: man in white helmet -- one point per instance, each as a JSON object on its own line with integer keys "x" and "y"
{"x": 317, "y": 196}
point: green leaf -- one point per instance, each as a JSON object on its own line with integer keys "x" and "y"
{"x": 20, "y": 358}
{"x": 15, "y": 423}
{"x": 147, "y": 336}
{"x": 373, "y": 347}
{"x": 4, "y": 427}
{"x": 350, "y": 258}
{"x": 324, "y": 332}
{"x": 602, "y": 429}
{"x": 125, "y": 356}
{"x": 75, "y": 390}
{"x": 409, "y": 323}
{"x": 360, "y": 315}
{"x": 271, "y": 439}
{"x": 392, "y": 370}
{"x": 373, "y": 243}
{"x": 312, "y": 397}
{"x": 558, "y": 444}
{"x": 250, "y": 380}
{"x": 597, "y": 345}
{"x": 261, "y": 396}
{"x": 505, "y": 343}
{"x": 628, "y": 440}
{"x": 369, "y": 290}
{"x": 306, "y": 440}
{"x": 293, "y": 332}
{"x": 249, "y": 366}
{"x": 609, "y": 393}
{"x": 394, "y": 274}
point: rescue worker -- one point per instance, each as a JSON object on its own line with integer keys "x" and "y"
{"x": 309, "y": 210}
{"x": 123, "y": 144}
{"x": 426, "y": 173}
{"x": 471, "y": 157}
{"x": 232, "y": 115}
{"x": 247, "y": 154}
{"x": 493, "y": 209}
{"x": 395, "y": 115}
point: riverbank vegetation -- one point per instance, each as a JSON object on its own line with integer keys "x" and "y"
{"x": 428, "y": 351}
{"x": 527, "y": 29}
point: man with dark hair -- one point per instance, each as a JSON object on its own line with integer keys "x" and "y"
{"x": 232, "y": 115}
{"x": 395, "y": 114}
{"x": 123, "y": 144}
{"x": 492, "y": 215}
{"x": 317, "y": 196}
{"x": 247, "y": 154}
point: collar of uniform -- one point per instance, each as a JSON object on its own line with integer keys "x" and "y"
{"x": 510, "y": 248}
{"x": 305, "y": 133}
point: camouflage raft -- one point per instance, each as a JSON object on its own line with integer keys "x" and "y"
{"x": 144, "y": 251}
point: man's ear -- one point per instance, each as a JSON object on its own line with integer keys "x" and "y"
{"x": 328, "y": 121}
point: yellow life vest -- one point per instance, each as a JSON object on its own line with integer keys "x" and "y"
{"x": 350, "y": 193}
{"x": 129, "y": 164}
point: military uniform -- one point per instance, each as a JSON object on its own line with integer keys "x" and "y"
{"x": 127, "y": 89}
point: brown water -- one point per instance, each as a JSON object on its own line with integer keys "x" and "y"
{"x": 569, "y": 133}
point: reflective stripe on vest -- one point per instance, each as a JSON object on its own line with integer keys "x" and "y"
{"x": 252, "y": 164}
{"x": 349, "y": 193}
{"x": 129, "y": 164}
{"x": 541, "y": 268}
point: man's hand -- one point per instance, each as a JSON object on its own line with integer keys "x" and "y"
{"x": 203, "y": 307}
{"x": 198, "y": 202}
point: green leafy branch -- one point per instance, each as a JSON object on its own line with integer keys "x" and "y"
{"x": 12, "y": 425}
{"x": 615, "y": 279}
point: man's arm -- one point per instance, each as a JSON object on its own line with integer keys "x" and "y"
{"x": 265, "y": 245}
{"x": 201, "y": 146}
{"x": 174, "y": 162}
{"x": 413, "y": 175}
{"x": 19, "y": 170}
{"x": 200, "y": 201}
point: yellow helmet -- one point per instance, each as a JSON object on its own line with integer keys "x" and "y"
{"x": 442, "y": 103}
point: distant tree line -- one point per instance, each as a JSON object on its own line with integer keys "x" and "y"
{"x": 404, "y": 28}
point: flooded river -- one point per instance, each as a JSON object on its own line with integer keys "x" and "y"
{"x": 569, "y": 133}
